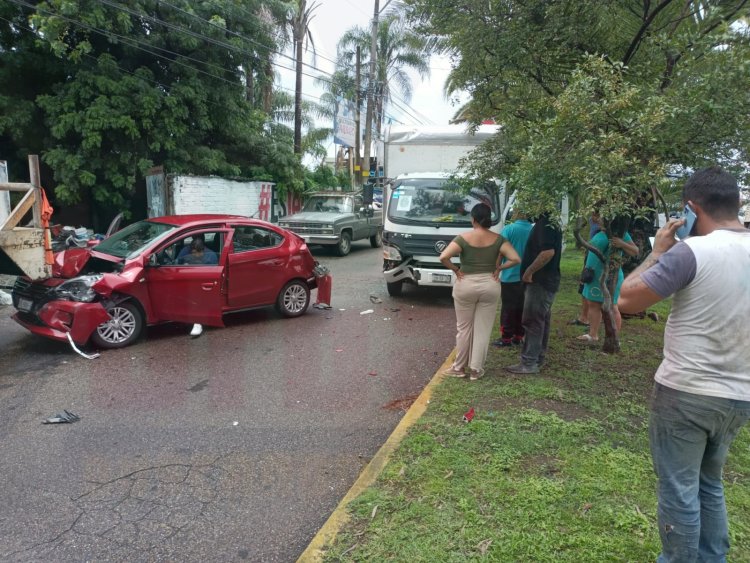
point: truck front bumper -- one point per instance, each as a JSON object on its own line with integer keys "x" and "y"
{"x": 419, "y": 275}
{"x": 320, "y": 239}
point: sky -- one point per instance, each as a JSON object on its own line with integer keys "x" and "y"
{"x": 331, "y": 19}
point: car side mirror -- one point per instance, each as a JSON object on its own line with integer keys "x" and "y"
{"x": 152, "y": 261}
{"x": 367, "y": 211}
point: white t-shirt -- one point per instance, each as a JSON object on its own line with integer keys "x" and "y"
{"x": 707, "y": 338}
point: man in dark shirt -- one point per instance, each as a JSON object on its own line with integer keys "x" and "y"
{"x": 540, "y": 271}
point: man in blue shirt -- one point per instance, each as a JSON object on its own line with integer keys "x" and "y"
{"x": 512, "y": 289}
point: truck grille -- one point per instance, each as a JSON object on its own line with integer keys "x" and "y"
{"x": 310, "y": 229}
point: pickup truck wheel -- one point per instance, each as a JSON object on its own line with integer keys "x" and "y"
{"x": 395, "y": 288}
{"x": 293, "y": 299}
{"x": 122, "y": 329}
{"x": 376, "y": 240}
{"x": 345, "y": 244}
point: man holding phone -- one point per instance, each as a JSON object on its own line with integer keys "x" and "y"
{"x": 701, "y": 395}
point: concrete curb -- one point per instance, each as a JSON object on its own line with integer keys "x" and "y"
{"x": 325, "y": 536}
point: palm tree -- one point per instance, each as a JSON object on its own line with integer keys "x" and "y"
{"x": 299, "y": 19}
{"x": 398, "y": 49}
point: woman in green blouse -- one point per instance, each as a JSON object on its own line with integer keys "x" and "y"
{"x": 477, "y": 289}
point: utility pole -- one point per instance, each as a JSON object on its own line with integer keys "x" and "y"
{"x": 358, "y": 102}
{"x": 371, "y": 85}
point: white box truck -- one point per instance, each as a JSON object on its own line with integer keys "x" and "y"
{"x": 423, "y": 210}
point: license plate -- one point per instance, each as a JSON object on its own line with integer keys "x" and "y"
{"x": 25, "y": 305}
{"x": 441, "y": 278}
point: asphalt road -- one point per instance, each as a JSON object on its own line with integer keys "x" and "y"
{"x": 233, "y": 446}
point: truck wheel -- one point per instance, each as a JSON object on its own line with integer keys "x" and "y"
{"x": 293, "y": 299}
{"x": 395, "y": 288}
{"x": 345, "y": 244}
{"x": 122, "y": 329}
{"x": 376, "y": 240}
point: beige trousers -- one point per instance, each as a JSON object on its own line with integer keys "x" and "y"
{"x": 475, "y": 298}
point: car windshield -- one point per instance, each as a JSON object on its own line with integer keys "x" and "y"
{"x": 134, "y": 239}
{"x": 439, "y": 201}
{"x": 335, "y": 204}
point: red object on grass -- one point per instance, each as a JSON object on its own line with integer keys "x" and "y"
{"x": 469, "y": 415}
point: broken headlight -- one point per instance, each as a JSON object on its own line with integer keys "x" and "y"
{"x": 77, "y": 289}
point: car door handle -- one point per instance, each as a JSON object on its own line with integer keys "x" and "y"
{"x": 208, "y": 286}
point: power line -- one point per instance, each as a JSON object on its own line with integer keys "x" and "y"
{"x": 325, "y": 77}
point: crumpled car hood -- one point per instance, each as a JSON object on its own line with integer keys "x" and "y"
{"x": 313, "y": 217}
{"x": 71, "y": 262}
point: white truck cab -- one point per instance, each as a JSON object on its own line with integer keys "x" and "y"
{"x": 423, "y": 208}
{"x": 422, "y": 213}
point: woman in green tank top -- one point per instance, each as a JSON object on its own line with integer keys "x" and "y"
{"x": 477, "y": 289}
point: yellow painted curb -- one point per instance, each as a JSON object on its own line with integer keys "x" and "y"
{"x": 325, "y": 536}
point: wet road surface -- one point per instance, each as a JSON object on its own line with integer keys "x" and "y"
{"x": 233, "y": 446}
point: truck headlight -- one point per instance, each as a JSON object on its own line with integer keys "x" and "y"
{"x": 391, "y": 253}
{"x": 77, "y": 289}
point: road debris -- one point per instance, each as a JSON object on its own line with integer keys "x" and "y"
{"x": 75, "y": 349}
{"x": 62, "y": 417}
{"x": 367, "y": 312}
{"x": 469, "y": 415}
{"x": 375, "y": 299}
{"x": 196, "y": 331}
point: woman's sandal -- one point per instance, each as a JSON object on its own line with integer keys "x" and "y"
{"x": 577, "y": 322}
{"x": 587, "y": 338}
{"x": 450, "y": 372}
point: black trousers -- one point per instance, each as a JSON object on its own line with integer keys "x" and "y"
{"x": 511, "y": 312}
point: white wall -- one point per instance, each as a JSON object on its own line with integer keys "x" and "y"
{"x": 200, "y": 194}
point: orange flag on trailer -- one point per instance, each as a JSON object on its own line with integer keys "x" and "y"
{"x": 47, "y": 211}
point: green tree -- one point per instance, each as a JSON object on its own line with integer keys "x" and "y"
{"x": 599, "y": 100}
{"x": 142, "y": 83}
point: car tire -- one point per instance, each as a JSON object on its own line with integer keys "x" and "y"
{"x": 123, "y": 329}
{"x": 376, "y": 240}
{"x": 293, "y": 299}
{"x": 344, "y": 245}
{"x": 395, "y": 288}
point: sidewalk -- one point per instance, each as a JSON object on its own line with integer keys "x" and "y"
{"x": 553, "y": 467}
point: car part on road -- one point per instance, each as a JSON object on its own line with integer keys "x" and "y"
{"x": 59, "y": 418}
{"x": 293, "y": 299}
{"x": 123, "y": 328}
{"x": 80, "y": 352}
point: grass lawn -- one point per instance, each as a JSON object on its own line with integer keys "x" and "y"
{"x": 554, "y": 467}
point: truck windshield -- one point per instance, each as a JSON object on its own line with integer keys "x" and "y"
{"x": 333, "y": 204}
{"x": 438, "y": 202}
{"x": 133, "y": 239}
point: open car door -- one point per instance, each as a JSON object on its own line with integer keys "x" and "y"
{"x": 189, "y": 291}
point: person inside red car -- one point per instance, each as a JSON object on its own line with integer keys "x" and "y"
{"x": 198, "y": 254}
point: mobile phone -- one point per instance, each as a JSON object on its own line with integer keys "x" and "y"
{"x": 689, "y": 217}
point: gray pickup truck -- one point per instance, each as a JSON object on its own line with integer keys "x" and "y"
{"x": 336, "y": 219}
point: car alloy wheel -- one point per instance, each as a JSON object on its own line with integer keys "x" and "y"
{"x": 294, "y": 299}
{"x": 122, "y": 329}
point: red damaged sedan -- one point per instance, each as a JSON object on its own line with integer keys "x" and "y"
{"x": 184, "y": 268}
